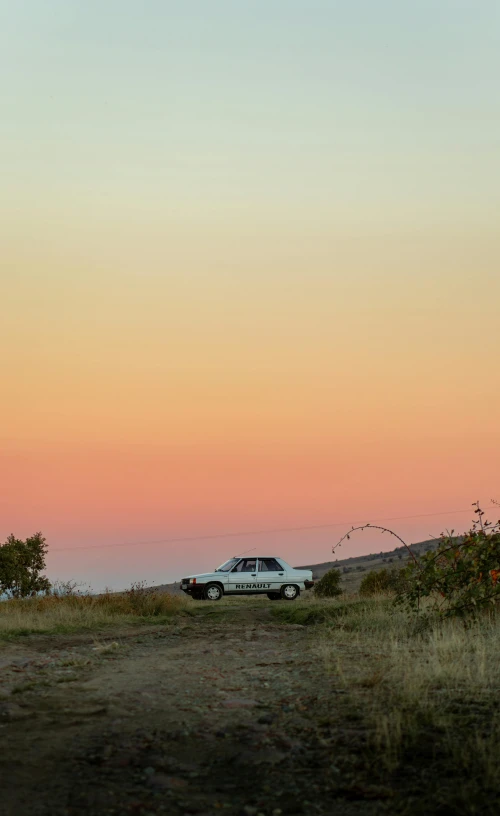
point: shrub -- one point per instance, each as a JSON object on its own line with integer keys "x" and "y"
{"x": 329, "y": 585}
{"x": 384, "y": 580}
{"x": 459, "y": 577}
{"x": 462, "y": 575}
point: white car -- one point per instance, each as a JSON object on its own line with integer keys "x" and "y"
{"x": 249, "y": 576}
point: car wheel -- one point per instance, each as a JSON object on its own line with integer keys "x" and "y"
{"x": 213, "y": 592}
{"x": 274, "y": 596}
{"x": 289, "y": 592}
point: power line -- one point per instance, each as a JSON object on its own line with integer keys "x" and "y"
{"x": 269, "y": 531}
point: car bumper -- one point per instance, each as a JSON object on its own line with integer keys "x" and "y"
{"x": 191, "y": 589}
{"x": 308, "y": 584}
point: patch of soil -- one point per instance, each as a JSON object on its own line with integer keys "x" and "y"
{"x": 198, "y": 717}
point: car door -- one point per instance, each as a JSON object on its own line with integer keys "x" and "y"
{"x": 270, "y": 576}
{"x": 243, "y": 576}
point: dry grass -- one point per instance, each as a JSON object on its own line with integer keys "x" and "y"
{"x": 428, "y": 697}
{"x": 75, "y": 612}
{"x": 425, "y": 691}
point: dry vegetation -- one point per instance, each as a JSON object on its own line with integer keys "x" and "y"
{"x": 59, "y": 613}
{"x": 417, "y": 693}
{"x": 426, "y": 691}
{"x": 405, "y": 718}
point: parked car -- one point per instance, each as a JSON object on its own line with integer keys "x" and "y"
{"x": 266, "y": 575}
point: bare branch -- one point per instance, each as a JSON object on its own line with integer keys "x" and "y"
{"x": 383, "y": 530}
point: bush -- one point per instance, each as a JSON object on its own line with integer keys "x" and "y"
{"x": 462, "y": 575}
{"x": 328, "y": 585}
{"x": 384, "y": 580}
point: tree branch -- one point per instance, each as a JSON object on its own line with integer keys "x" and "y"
{"x": 376, "y": 527}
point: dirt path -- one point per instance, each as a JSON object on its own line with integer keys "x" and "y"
{"x": 233, "y": 714}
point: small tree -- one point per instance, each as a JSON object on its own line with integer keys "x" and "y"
{"x": 21, "y": 565}
{"x": 329, "y": 585}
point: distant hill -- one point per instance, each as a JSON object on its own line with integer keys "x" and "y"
{"x": 353, "y": 568}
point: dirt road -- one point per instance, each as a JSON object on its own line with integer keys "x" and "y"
{"x": 232, "y": 713}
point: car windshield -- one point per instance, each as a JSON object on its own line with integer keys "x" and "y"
{"x": 228, "y": 565}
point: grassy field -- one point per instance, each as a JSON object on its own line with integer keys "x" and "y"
{"x": 406, "y": 708}
{"x": 426, "y": 693}
{"x": 79, "y": 613}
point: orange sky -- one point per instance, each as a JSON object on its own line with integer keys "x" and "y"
{"x": 233, "y": 301}
{"x": 142, "y": 403}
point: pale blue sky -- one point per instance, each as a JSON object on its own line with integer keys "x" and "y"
{"x": 351, "y": 106}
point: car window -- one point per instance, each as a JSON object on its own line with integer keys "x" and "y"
{"x": 246, "y": 565}
{"x": 269, "y": 565}
{"x": 227, "y": 566}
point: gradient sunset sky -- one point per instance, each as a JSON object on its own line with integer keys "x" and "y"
{"x": 250, "y": 275}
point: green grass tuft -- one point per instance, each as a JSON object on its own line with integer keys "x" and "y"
{"x": 310, "y": 612}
